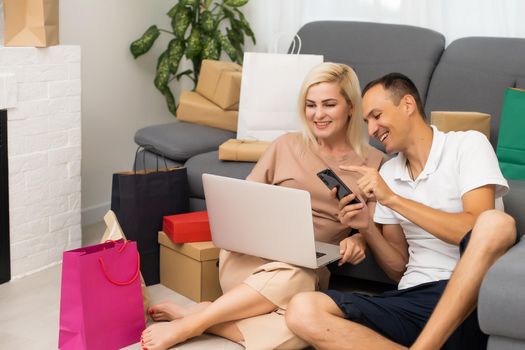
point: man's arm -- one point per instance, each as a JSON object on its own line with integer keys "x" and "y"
{"x": 449, "y": 227}
{"x": 389, "y": 247}
{"x": 387, "y": 242}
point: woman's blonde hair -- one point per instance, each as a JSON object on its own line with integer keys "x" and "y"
{"x": 345, "y": 77}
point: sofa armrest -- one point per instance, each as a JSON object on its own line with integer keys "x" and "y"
{"x": 180, "y": 141}
{"x": 501, "y": 305}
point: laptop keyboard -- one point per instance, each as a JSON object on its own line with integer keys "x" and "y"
{"x": 319, "y": 254}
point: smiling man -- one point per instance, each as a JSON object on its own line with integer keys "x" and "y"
{"x": 435, "y": 197}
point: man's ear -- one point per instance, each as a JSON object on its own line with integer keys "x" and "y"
{"x": 409, "y": 104}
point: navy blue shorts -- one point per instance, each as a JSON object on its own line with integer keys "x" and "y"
{"x": 400, "y": 315}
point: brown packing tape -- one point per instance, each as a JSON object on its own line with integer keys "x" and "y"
{"x": 220, "y": 82}
{"x": 461, "y": 121}
{"x": 31, "y": 23}
{"x": 242, "y": 150}
{"x": 195, "y": 108}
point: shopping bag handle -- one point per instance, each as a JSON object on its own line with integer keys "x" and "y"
{"x": 119, "y": 283}
{"x": 148, "y": 148}
{"x": 293, "y": 49}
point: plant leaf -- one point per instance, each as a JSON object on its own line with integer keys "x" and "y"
{"x": 170, "y": 100}
{"x": 207, "y": 22}
{"x": 187, "y": 72}
{"x": 144, "y": 43}
{"x": 211, "y": 49}
{"x": 175, "y": 52}
{"x": 228, "y": 48}
{"x": 171, "y": 13}
{"x": 181, "y": 21}
{"x": 194, "y": 46}
{"x": 245, "y": 25}
{"x": 236, "y": 3}
{"x": 190, "y": 3}
{"x": 163, "y": 72}
{"x": 207, "y": 3}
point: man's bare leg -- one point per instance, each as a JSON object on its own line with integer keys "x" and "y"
{"x": 317, "y": 319}
{"x": 493, "y": 234}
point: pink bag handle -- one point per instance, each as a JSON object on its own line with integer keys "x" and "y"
{"x": 118, "y": 283}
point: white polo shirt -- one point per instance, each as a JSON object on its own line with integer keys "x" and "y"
{"x": 458, "y": 162}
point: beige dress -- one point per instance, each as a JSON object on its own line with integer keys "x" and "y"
{"x": 289, "y": 162}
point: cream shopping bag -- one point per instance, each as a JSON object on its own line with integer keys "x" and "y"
{"x": 269, "y": 93}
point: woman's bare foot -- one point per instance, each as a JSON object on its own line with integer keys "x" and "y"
{"x": 169, "y": 311}
{"x": 162, "y": 336}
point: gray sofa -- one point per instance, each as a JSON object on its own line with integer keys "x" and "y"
{"x": 470, "y": 74}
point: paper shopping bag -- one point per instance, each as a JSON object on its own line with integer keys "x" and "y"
{"x": 30, "y": 23}
{"x": 140, "y": 199}
{"x": 114, "y": 233}
{"x": 269, "y": 93}
{"x": 100, "y": 300}
{"x": 511, "y": 143}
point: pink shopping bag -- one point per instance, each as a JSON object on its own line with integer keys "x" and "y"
{"x": 101, "y": 299}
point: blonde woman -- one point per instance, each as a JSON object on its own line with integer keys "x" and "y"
{"x": 257, "y": 291}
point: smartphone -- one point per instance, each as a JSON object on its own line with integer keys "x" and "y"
{"x": 331, "y": 180}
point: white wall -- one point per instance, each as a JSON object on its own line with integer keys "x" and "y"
{"x": 118, "y": 96}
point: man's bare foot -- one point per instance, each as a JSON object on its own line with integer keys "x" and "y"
{"x": 162, "y": 336}
{"x": 169, "y": 311}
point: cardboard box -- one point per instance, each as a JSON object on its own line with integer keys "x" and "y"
{"x": 461, "y": 121}
{"x": 242, "y": 150}
{"x": 187, "y": 227}
{"x": 220, "y": 82}
{"x": 195, "y": 108}
{"x": 190, "y": 269}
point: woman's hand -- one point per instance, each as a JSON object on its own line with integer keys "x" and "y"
{"x": 352, "y": 249}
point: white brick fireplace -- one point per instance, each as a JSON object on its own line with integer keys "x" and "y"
{"x": 41, "y": 90}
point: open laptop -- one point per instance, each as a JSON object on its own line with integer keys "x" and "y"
{"x": 272, "y": 222}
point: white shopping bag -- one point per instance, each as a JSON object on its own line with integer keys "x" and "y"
{"x": 269, "y": 93}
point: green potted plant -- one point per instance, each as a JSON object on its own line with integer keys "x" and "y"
{"x": 201, "y": 29}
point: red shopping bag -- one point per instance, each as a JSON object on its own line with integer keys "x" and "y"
{"x": 101, "y": 300}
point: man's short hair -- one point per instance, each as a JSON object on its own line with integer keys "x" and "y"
{"x": 398, "y": 85}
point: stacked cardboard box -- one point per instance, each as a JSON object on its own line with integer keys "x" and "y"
{"x": 215, "y": 102}
{"x": 190, "y": 269}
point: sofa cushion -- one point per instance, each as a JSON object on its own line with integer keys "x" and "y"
{"x": 375, "y": 49}
{"x": 472, "y": 76}
{"x": 210, "y": 163}
{"x": 180, "y": 140}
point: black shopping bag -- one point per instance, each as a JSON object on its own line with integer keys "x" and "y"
{"x": 140, "y": 200}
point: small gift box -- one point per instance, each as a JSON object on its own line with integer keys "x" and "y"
{"x": 242, "y": 150}
{"x": 188, "y": 227}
